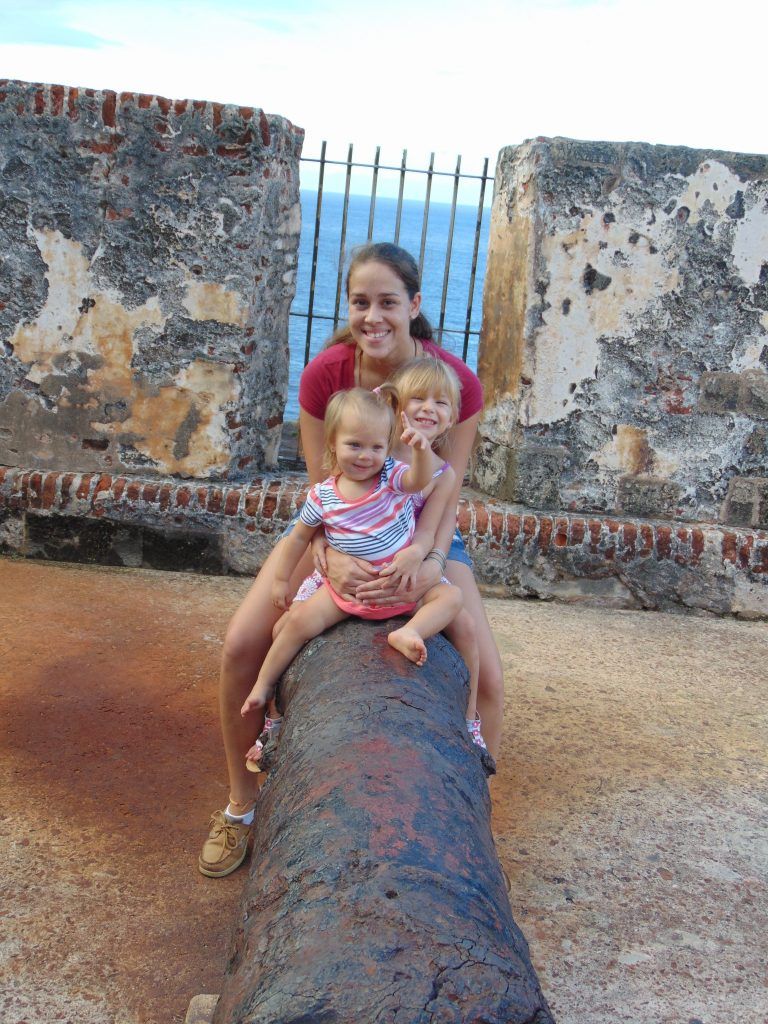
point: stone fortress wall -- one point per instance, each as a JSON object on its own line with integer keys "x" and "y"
{"x": 625, "y": 334}
{"x": 147, "y": 264}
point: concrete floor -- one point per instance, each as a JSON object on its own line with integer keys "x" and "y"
{"x": 630, "y": 809}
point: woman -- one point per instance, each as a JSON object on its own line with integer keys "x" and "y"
{"x": 386, "y": 329}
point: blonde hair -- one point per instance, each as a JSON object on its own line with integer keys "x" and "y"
{"x": 362, "y": 403}
{"x": 423, "y": 376}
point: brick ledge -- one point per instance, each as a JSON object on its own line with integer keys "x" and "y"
{"x": 506, "y": 543}
{"x": 481, "y": 521}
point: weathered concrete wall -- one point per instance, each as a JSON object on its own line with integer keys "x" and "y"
{"x": 148, "y": 257}
{"x": 147, "y": 264}
{"x": 625, "y": 332}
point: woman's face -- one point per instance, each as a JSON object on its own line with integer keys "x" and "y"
{"x": 380, "y": 312}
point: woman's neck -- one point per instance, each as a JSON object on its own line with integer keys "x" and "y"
{"x": 373, "y": 372}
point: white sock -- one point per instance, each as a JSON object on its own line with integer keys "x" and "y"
{"x": 241, "y": 819}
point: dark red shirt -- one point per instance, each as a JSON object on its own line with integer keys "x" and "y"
{"x": 333, "y": 370}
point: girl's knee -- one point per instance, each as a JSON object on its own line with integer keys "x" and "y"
{"x": 297, "y": 625}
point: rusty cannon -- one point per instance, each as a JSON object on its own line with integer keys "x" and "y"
{"x": 375, "y": 893}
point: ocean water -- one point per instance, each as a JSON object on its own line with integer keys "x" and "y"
{"x": 410, "y": 238}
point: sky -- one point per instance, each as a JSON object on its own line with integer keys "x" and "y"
{"x": 442, "y": 76}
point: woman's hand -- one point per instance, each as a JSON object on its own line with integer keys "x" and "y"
{"x": 346, "y": 573}
{"x": 403, "y": 569}
{"x": 318, "y": 548}
{"x": 382, "y": 591}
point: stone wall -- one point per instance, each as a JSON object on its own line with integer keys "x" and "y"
{"x": 625, "y": 332}
{"x": 147, "y": 261}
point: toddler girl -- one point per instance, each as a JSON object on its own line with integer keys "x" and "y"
{"x": 366, "y": 510}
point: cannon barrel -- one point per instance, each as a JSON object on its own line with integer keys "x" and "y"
{"x": 375, "y": 893}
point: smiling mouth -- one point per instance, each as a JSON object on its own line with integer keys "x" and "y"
{"x": 376, "y": 335}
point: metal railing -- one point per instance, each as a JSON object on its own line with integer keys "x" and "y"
{"x": 402, "y": 170}
{"x": 451, "y": 261}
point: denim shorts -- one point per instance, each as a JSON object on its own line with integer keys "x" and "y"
{"x": 457, "y": 552}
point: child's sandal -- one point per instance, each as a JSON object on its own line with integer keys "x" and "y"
{"x": 265, "y": 744}
{"x": 473, "y": 728}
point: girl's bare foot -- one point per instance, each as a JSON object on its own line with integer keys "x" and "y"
{"x": 409, "y": 643}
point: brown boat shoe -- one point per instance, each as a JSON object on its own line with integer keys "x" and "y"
{"x": 225, "y": 848}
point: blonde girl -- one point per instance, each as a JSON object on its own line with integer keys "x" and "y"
{"x": 427, "y": 391}
{"x": 366, "y": 510}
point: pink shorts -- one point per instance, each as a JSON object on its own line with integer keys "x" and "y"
{"x": 313, "y": 583}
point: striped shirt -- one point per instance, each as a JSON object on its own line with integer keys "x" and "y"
{"x": 374, "y": 527}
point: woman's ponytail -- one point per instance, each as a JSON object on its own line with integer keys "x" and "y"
{"x": 421, "y": 328}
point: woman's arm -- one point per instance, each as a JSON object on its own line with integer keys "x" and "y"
{"x": 460, "y": 442}
{"x": 312, "y": 432}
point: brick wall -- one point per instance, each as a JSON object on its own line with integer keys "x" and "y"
{"x": 170, "y": 524}
{"x": 625, "y": 332}
{"x": 147, "y": 264}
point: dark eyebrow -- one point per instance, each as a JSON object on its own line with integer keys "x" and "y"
{"x": 382, "y": 295}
